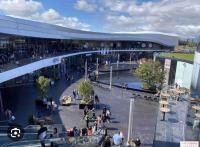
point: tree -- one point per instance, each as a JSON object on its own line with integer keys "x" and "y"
{"x": 85, "y": 90}
{"x": 43, "y": 86}
{"x": 151, "y": 73}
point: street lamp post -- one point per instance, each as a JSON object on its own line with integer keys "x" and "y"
{"x": 97, "y": 69}
{"x": 1, "y": 105}
{"x": 110, "y": 77}
{"x": 118, "y": 66}
{"x": 86, "y": 70}
{"x": 130, "y": 123}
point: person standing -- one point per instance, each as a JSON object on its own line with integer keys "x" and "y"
{"x": 103, "y": 119}
{"x": 41, "y": 135}
{"x": 99, "y": 120}
{"x": 54, "y": 135}
{"x": 107, "y": 142}
{"x": 74, "y": 93}
{"x": 85, "y": 112}
{"x": 87, "y": 120}
{"x": 137, "y": 142}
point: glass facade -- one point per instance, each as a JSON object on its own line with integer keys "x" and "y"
{"x": 198, "y": 47}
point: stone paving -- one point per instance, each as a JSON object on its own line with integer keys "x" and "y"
{"x": 171, "y": 131}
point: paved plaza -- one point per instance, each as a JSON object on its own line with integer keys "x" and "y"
{"x": 144, "y": 120}
{"x": 146, "y": 124}
{"x": 171, "y": 131}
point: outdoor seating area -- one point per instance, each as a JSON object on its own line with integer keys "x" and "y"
{"x": 172, "y": 116}
{"x": 193, "y": 118}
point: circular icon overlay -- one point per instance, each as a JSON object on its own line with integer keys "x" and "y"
{"x": 15, "y": 132}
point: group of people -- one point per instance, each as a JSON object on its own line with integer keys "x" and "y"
{"x": 42, "y": 135}
{"x": 100, "y": 120}
{"x": 118, "y": 140}
{"x": 69, "y": 78}
{"x": 87, "y": 131}
{"x": 50, "y": 104}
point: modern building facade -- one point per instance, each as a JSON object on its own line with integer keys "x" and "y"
{"x": 27, "y": 46}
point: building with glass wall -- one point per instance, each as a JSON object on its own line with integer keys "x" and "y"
{"x": 27, "y": 46}
{"x": 196, "y": 72}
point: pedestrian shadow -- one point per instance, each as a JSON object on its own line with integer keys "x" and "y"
{"x": 112, "y": 129}
{"x": 172, "y": 112}
{"x": 189, "y": 123}
{"x": 115, "y": 122}
{"x": 172, "y": 103}
{"x": 101, "y": 106}
{"x": 172, "y": 120}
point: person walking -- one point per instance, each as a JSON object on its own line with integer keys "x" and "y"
{"x": 108, "y": 114}
{"x": 41, "y": 135}
{"x": 96, "y": 99}
{"x": 74, "y": 93}
{"x": 85, "y": 112}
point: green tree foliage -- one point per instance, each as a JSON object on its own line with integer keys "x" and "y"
{"x": 85, "y": 90}
{"x": 151, "y": 73}
{"x": 43, "y": 86}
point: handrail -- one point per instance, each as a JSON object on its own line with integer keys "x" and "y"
{"x": 54, "y": 60}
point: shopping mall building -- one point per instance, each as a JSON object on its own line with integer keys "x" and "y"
{"x": 27, "y": 46}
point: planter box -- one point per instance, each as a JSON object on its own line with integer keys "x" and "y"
{"x": 82, "y": 106}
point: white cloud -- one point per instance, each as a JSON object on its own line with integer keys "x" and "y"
{"x": 84, "y": 5}
{"x": 20, "y": 7}
{"x": 173, "y": 16}
{"x": 34, "y": 10}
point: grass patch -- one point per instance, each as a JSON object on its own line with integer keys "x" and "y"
{"x": 181, "y": 56}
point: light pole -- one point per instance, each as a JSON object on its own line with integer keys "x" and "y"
{"x": 110, "y": 77}
{"x": 86, "y": 70}
{"x": 130, "y": 58}
{"x": 118, "y": 66}
{"x": 97, "y": 69}
{"x": 1, "y": 105}
{"x": 130, "y": 123}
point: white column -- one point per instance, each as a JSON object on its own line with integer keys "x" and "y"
{"x": 110, "y": 77}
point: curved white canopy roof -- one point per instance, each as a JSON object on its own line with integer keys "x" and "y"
{"x": 16, "y": 26}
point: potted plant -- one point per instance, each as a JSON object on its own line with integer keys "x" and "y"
{"x": 85, "y": 90}
{"x": 43, "y": 86}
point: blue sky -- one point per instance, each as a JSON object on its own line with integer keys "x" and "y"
{"x": 171, "y": 16}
